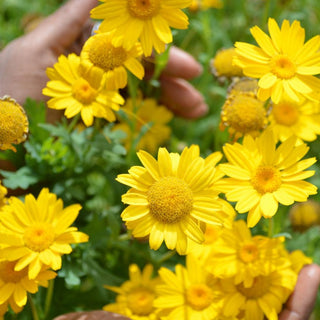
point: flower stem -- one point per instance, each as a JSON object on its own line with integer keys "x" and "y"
{"x": 48, "y": 301}
{"x": 270, "y": 228}
{"x": 34, "y": 311}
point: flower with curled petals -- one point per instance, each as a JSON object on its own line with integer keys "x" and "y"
{"x": 283, "y": 62}
{"x": 170, "y": 198}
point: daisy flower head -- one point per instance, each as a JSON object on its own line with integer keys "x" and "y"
{"x": 75, "y": 92}
{"x": 171, "y": 197}
{"x": 14, "y": 126}
{"x": 135, "y": 296}
{"x": 100, "y": 56}
{"x": 283, "y": 63}
{"x": 289, "y": 117}
{"x": 238, "y": 254}
{"x": 145, "y": 114}
{"x": 263, "y": 299}
{"x": 188, "y": 293}
{"x": 14, "y": 285}
{"x": 38, "y": 232}
{"x": 146, "y": 20}
{"x": 261, "y": 175}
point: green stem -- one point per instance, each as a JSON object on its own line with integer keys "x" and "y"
{"x": 270, "y": 228}
{"x": 34, "y": 311}
{"x": 48, "y": 301}
{"x": 166, "y": 256}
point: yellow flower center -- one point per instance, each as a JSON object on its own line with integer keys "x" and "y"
{"x": 14, "y": 123}
{"x": 248, "y": 252}
{"x": 282, "y": 67}
{"x": 199, "y": 296}
{"x": 104, "y": 55}
{"x": 140, "y": 301}
{"x": 170, "y": 200}
{"x": 285, "y": 113}
{"x": 258, "y": 289}
{"x": 143, "y": 9}
{"x": 8, "y": 274}
{"x": 83, "y": 92}
{"x": 244, "y": 113}
{"x": 266, "y": 179}
{"x": 39, "y": 237}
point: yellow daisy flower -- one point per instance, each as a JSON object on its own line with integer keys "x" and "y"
{"x": 169, "y": 198}
{"x": 143, "y": 112}
{"x": 78, "y": 93}
{"x": 301, "y": 119}
{"x": 262, "y": 175}
{"x": 304, "y": 215}
{"x": 263, "y": 299}
{"x": 14, "y": 126}
{"x": 14, "y": 285}
{"x": 148, "y": 21}
{"x": 136, "y": 296}
{"x": 38, "y": 232}
{"x": 298, "y": 260}
{"x": 99, "y": 55}
{"x": 189, "y": 293}
{"x": 283, "y": 62}
{"x": 205, "y": 4}
{"x": 238, "y": 254}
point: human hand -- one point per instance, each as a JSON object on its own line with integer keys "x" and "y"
{"x": 301, "y": 302}
{"x": 23, "y": 62}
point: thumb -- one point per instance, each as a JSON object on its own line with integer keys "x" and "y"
{"x": 65, "y": 25}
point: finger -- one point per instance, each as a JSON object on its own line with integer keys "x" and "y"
{"x": 91, "y": 315}
{"x": 301, "y": 302}
{"x": 182, "y": 98}
{"x": 182, "y": 65}
{"x": 65, "y": 25}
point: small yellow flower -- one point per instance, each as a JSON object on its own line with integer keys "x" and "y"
{"x": 222, "y": 64}
{"x": 75, "y": 92}
{"x": 14, "y": 126}
{"x": 110, "y": 62}
{"x": 136, "y": 296}
{"x": 205, "y": 4}
{"x": 14, "y": 285}
{"x": 243, "y": 113}
{"x": 262, "y": 175}
{"x": 304, "y": 215}
{"x": 146, "y": 20}
{"x": 38, "y": 232}
{"x": 284, "y": 64}
{"x": 171, "y": 197}
{"x": 145, "y": 112}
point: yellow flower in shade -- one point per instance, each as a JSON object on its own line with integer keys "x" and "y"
{"x": 243, "y": 113}
{"x": 78, "y": 93}
{"x": 243, "y": 85}
{"x": 111, "y": 62}
{"x": 222, "y": 64}
{"x": 148, "y": 21}
{"x": 301, "y": 119}
{"x": 14, "y": 125}
{"x": 283, "y": 62}
{"x": 304, "y": 215}
{"x": 171, "y": 197}
{"x": 14, "y": 285}
{"x": 189, "y": 293}
{"x": 135, "y": 297}
{"x": 38, "y": 232}
{"x": 145, "y": 112}
{"x": 263, "y": 299}
{"x": 238, "y": 254}
{"x": 262, "y": 175}
{"x": 205, "y": 4}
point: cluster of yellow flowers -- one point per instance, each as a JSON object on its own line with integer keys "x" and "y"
{"x": 34, "y": 234}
